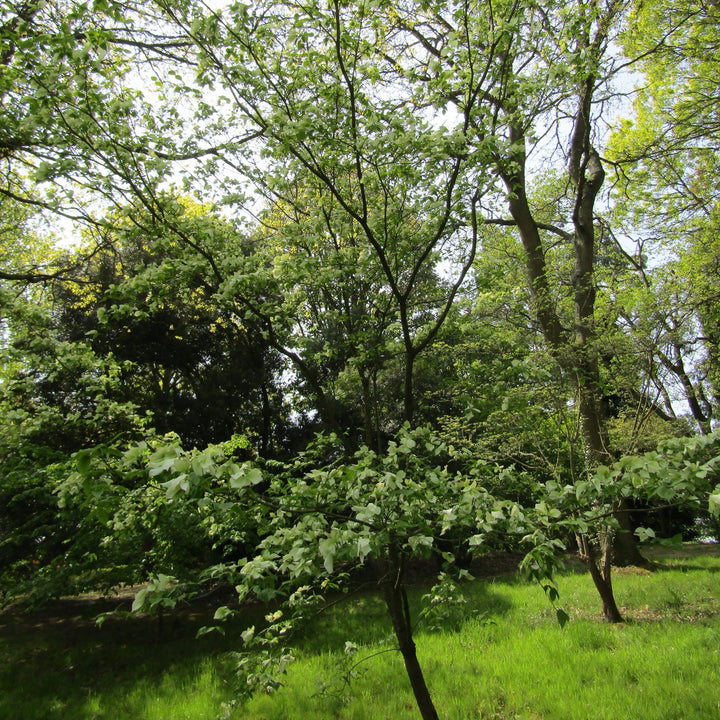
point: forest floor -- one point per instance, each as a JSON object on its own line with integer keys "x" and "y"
{"x": 55, "y": 662}
{"x": 77, "y": 614}
{"x": 70, "y": 618}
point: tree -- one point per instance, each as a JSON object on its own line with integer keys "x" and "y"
{"x": 56, "y": 399}
{"x": 374, "y": 148}
{"x": 666, "y": 193}
{"x": 394, "y": 144}
{"x": 365, "y": 184}
{"x": 343, "y": 318}
{"x": 587, "y": 32}
{"x": 26, "y": 253}
{"x": 392, "y": 121}
{"x": 149, "y": 301}
{"x": 371, "y": 513}
{"x": 660, "y": 313}
{"x": 681, "y": 472}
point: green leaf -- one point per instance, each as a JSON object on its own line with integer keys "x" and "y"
{"x": 363, "y": 547}
{"x": 551, "y": 592}
{"x": 367, "y": 513}
{"x": 243, "y": 477}
{"x": 326, "y": 547}
{"x": 163, "y": 581}
{"x": 175, "y": 486}
{"x": 645, "y": 534}
{"x": 420, "y": 541}
{"x": 223, "y": 612}
{"x": 209, "y": 629}
{"x": 714, "y": 504}
{"x": 139, "y": 601}
{"x": 83, "y": 462}
{"x": 562, "y": 617}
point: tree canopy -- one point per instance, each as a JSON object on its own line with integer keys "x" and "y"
{"x": 297, "y": 291}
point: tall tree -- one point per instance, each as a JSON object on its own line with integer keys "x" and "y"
{"x": 149, "y": 300}
{"x": 667, "y": 191}
{"x": 398, "y": 121}
{"x": 367, "y": 184}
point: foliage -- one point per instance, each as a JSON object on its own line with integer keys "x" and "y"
{"x": 149, "y": 300}
{"x": 324, "y": 515}
{"x": 667, "y": 152}
{"x": 56, "y": 399}
{"x": 387, "y": 237}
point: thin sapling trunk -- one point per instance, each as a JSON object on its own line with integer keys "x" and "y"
{"x": 397, "y": 604}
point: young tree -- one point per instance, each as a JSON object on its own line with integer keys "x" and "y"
{"x": 324, "y": 521}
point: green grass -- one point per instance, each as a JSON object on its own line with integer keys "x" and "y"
{"x": 70, "y": 669}
{"x": 507, "y": 658}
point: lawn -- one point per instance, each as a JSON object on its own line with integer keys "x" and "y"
{"x": 501, "y": 656}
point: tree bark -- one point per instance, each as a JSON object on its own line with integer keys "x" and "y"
{"x": 602, "y": 576}
{"x": 397, "y": 605}
{"x": 625, "y": 552}
{"x": 576, "y": 354}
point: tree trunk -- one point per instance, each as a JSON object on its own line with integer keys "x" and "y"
{"x": 625, "y": 551}
{"x": 266, "y": 421}
{"x": 603, "y": 584}
{"x": 602, "y": 576}
{"x": 576, "y": 352}
{"x": 397, "y": 605}
{"x": 408, "y": 390}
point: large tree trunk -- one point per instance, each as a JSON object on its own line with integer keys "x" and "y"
{"x": 588, "y": 177}
{"x": 575, "y": 351}
{"x": 625, "y": 552}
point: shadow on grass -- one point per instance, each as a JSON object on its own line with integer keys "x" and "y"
{"x": 361, "y": 616}
{"x": 55, "y": 660}
{"x": 57, "y": 663}
{"x": 685, "y": 567}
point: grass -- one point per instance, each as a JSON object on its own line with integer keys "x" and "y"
{"x": 506, "y": 658}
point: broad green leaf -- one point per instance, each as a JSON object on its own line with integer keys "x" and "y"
{"x": 209, "y": 629}
{"x": 83, "y": 462}
{"x": 551, "y": 592}
{"x": 223, "y": 612}
{"x": 714, "y": 504}
{"x": 420, "y": 541}
{"x": 327, "y": 547}
{"x": 243, "y": 477}
{"x": 140, "y": 598}
{"x": 364, "y": 547}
